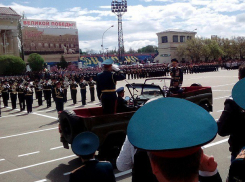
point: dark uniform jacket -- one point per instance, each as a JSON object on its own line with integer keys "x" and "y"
{"x": 176, "y": 74}
{"x": 106, "y": 81}
{"x": 232, "y": 122}
{"x": 122, "y": 105}
{"x": 93, "y": 171}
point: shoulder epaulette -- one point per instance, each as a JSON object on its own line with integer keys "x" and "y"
{"x": 77, "y": 169}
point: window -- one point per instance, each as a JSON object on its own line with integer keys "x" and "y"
{"x": 164, "y": 39}
{"x": 188, "y": 37}
{"x": 175, "y": 38}
{"x": 182, "y": 38}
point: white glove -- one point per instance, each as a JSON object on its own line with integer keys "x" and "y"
{"x": 115, "y": 68}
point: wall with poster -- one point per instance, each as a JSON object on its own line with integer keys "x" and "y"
{"x": 50, "y": 39}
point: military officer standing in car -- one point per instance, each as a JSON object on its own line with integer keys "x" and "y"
{"x": 91, "y": 84}
{"x": 176, "y": 73}
{"x": 106, "y": 86}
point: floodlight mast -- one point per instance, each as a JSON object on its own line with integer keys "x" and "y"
{"x": 119, "y": 8}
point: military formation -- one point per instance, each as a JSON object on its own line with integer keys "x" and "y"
{"x": 26, "y": 90}
{"x": 138, "y": 72}
{"x": 54, "y": 85}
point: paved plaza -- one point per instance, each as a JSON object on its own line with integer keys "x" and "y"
{"x": 31, "y": 151}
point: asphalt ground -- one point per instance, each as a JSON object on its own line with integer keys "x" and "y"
{"x": 31, "y": 151}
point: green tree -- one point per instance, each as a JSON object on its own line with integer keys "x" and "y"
{"x": 63, "y": 64}
{"x": 147, "y": 49}
{"x": 36, "y": 62}
{"x": 240, "y": 46}
{"x": 11, "y": 65}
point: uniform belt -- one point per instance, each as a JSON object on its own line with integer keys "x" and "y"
{"x": 176, "y": 78}
{"x": 28, "y": 94}
{"x": 59, "y": 97}
{"x": 20, "y": 92}
{"x": 74, "y": 89}
{"x": 13, "y": 92}
{"x": 83, "y": 88}
{"x": 46, "y": 89}
{"x": 113, "y": 90}
{"x": 38, "y": 90}
{"x": 4, "y": 91}
{"x": 91, "y": 86}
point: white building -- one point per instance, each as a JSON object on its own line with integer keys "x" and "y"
{"x": 168, "y": 41}
{"x": 9, "y": 31}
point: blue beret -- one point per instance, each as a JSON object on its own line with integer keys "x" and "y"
{"x": 85, "y": 143}
{"x": 171, "y": 124}
{"x": 120, "y": 89}
{"x": 238, "y": 93}
{"x": 108, "y": 62}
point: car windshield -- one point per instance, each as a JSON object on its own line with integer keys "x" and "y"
{"x": 145, "y": 91}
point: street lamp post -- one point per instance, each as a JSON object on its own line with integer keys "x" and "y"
{"x": 102, "y": 45}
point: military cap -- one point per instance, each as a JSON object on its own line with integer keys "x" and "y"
{"x": 57, "y": 82}
{"x": 238, "y": 93}
{"x": 107, "y": 62}
{"x": 168, "y": 132}
{"x": 121, "y": 89}
{"x": 174, "y": 60}
{"x": 85, "y": 143}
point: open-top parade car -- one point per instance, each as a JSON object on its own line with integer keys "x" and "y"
{"x": 111, "y": 129}
{"x": 141, "y": 93}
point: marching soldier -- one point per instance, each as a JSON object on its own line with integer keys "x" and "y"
{"x": 53, "y": 84}
{"x": 59, "y": 97}
{"x": 5, "y": 93}
{"x": 65, "y": 85}
{"x": 29, "y": 97}
{"x": 73, "y": 87}
{"x": 38, "y": 89}
{"x": 21, "y": 96}
{"x": 47, "y": 90}
{"x": 83, "y": 85}
{"x": 13, "y": 94}
{"x": 91, "y": 84}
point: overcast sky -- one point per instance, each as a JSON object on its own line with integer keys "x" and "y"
{"x": 225, "y": 18}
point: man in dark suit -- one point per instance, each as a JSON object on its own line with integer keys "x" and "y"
{"x": 84, "y": 145}
{"x": 173, "y": 140}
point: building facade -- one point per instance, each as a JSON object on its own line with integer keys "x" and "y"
{"x": 168, "y": 42}
{"x": 9, "y": 31}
